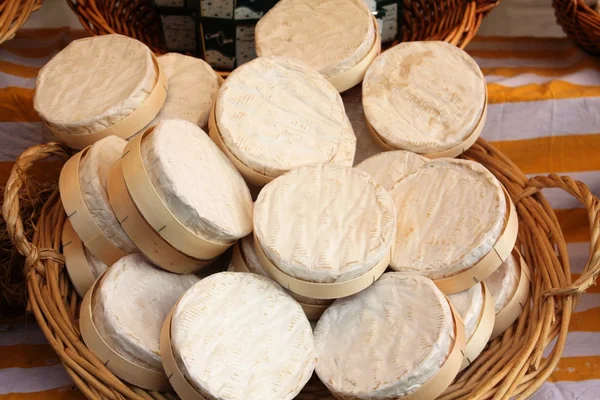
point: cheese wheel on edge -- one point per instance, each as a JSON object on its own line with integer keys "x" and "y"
{"x": 469, "y": 304}
{"x": 503, "y": 283}
{"x": 386, "y": 341}
{"x": 93, "y": 83}
{"x": 240, "y": 336}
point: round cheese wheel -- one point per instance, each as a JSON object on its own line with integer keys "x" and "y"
{"x": 93, "y": 176}
{"x": 386, "y": 341}
{"x": 365, "y": 146}
{"x": 450, "y": 213}
{"x": 93, "y": 83}
{"x": 275, "y": 114}
{"x": 424, "y": 96}
{"x": 193, "y": 86}
{"x": 331, "y": 36}
{"x": 324, "y": 223}
{"x": 469, "y": 305}
{"x": 130, "y": 305}
{"x": 241, "y": 336}
{"x": 197, "y": 182}
{"x": 389, "y": 167}
{"x": 96, "y": 266}
{"x": 503, "y": 283}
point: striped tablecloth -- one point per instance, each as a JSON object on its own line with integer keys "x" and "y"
{"x": 544, "y": 113}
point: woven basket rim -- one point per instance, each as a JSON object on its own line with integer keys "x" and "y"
{"x": 512, "y": 365}
{"x": 580, "y": 22}
{"x": 13, "y": 14}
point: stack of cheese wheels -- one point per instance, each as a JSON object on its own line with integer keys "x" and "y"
{"x": 121, "y": 318}
{"x": 193, "y": 86}
{"x": 237, "y": 336}
{"x": 324, "y": 231}
{"x": 389, "y": 167}
{"x": 97, "y": 87}
{"x": 274, "y": 114}
{"x": 338, "y": 38}
{"x": 178, "y": 197}
{"x": 476, "y": 308}
{"x": 509, "y": 287}
{"x": 83, "y": 191}
{"x": 425, "y": 97}
{"x": 244, "y": 260}
{"x": 455, "y": 223}
{"x": 398, "y": 339}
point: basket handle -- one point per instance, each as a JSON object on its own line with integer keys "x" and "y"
{"x": 582, "y": 193}
{"x": 11, "y": 207}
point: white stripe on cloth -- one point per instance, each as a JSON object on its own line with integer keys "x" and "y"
{"x": 39, "y": 62}
{"x": 18, "y": 136}
{"x": 559, "y": 199}
{"x": 8, "y": 80}
{"x": 583, "y": 77}
{"x": 587, "y": 302}
{"x": 578, "y": 256}
{"x": 579, "y": 344}
{"x": 519, "y": 45}
{"x": 26, "y": 333}
{"x": 37, "y": 379}
{"x": 535, "y": 119}
{"x": 566, "y": 390}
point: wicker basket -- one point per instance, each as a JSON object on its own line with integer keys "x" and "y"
{"x": 580, "y": 22}
{"x": 512, "y": 365}
{"x": 13, "y": 14}
{"x": 455, "y": 21}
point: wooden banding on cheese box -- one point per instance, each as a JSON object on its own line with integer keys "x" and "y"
{"x": 125, "y": 369}
{"x": 483, "y": 330}
{"x": 312, "y": 311}
{"x": 511, "y": 312}
{"x": 78, "y": 268}
{"x": 80, "y": 216}
{"x": 491, "y": 261}
{"x": 128, "y": 126}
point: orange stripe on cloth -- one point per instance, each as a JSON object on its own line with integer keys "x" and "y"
{"x": 22, "y": 71}
{"x": 539, "y": 91}
{"x": 43, "y": 170}
{"x": 577, "y": 369}
{"x": 65, "y": 393}
{"x": 16, "y": 105}
{"x": 548, "y": 71}
{"x": 574, "y": 224}
{"x": 520, "y": 39}
{"x": 586, "y": 321}
{"x": 595, "y": 289}
{"x": 27, "y": 355}
{"x": 559, "y": 154}
{"x": 35, "y": 52}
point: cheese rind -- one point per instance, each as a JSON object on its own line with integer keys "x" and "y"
{"x": 97, "y": 267}
{"x": 199, "y": 184}
{"x": 325, "y": 223}
{"x": 130, "y": 305}
{"x": 469, "y": 305}
{"x": 365, "y": 146}
{"x": 331, "y": 36}
{"x": 275, "y": 114}
{"x": 241, "y": 336}
{"x": 93, "y": 179}
{"x": 193, "y": 87}
{"x": 93, "y": 83}
{"x": 450, "y": 213}
{"x": 389, "y": 167}
{"x": 503, "y": 283}
{"x": 386, "y": 341}
{"x": 424, "y": 97}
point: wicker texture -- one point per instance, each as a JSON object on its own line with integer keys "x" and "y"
{"x": 455, "y": 21}
{"x": 512, "y": 365}
{"x": 580, "y": 22}
{"x": 13, "y": 14}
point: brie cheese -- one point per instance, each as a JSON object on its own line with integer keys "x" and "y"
{"x": 469, "y": 305}
{"x": 97, "y": 266}
{"x": 503, "y": 283}
{"x": 389, "y": 167}
{"x": 199, "y": 184}
{"x": 424, "y": 96}
{"x": 93, "y": 83}
{"x": 365, "y": 146}
{"x": 241, "y": 336}
{"x": 324, "y": 223}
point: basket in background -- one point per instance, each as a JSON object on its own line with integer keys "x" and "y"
{"x": 13, "y": 14}
{"x": 580, "y": 22}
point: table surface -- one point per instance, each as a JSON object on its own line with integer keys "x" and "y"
{"x": 544, "y": 113}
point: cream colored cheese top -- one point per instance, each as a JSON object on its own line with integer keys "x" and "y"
{"x": 386, "y": 341}
{"x": 324, "y": 223}
{"x": 389, "y": 167}
{"x": 130, "y": 305}
{"x": 193, "y": 87}
{"x": 197, "y": 181}
{"x": 276, "y": 114}
{"x": 240, "y": 336}
{"x": 503, "y": 283}
{"x": 469, "y": 305}
{"x": 93, "y": 83}
{"x": 424, "y": 96}
{"x": 331, "y": 36}
{"x": 93, "y": 177}
{"x": 450, "y": 213}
